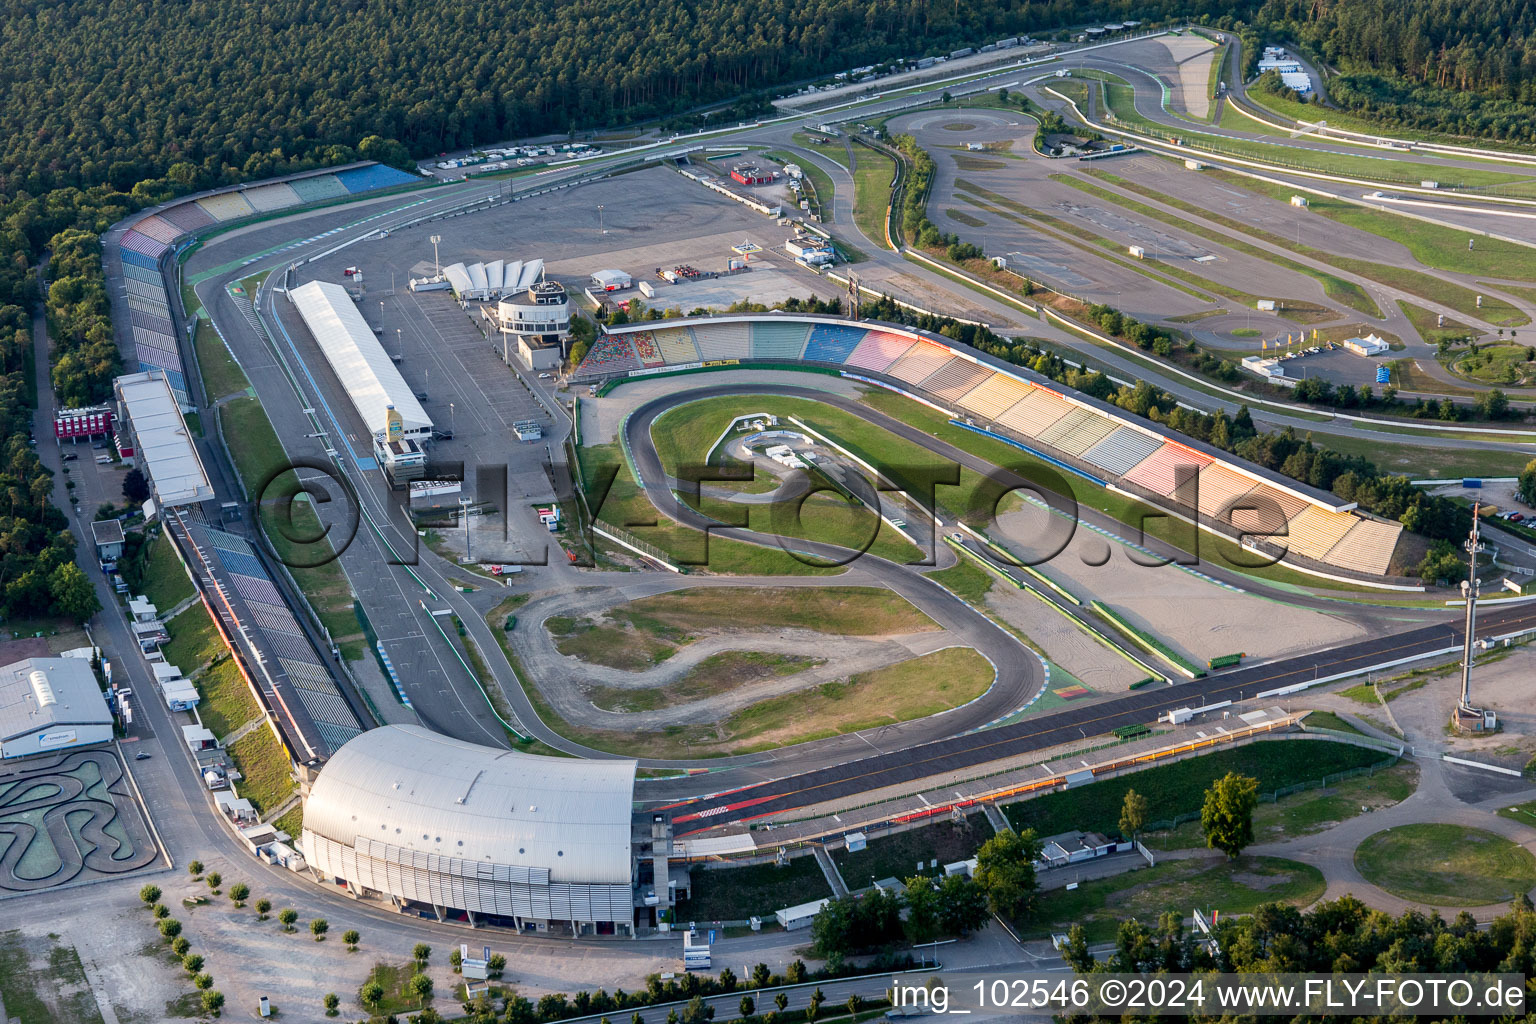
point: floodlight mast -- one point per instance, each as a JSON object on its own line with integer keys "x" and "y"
{"x": 436, "y": 265}
{"x": 1469, "y": 589}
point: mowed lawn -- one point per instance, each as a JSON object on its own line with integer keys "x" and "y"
{"x": 262, "y": 761}
{"x": 873, "y": 175}
{"x": 1446, "y": 865}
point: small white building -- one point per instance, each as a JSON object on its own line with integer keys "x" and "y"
{"x": 791, "y": 918}
{"x": 1370, "y": 345}
{"x": 1300, "y": 201}
{"x": 1263, "y": 367}
{"x": 611, "y": 280}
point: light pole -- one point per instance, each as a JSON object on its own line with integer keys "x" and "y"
{"x": 399, "y": 347}
{"x": 600, "y": 229}
{"x": 464, "y": 504}
{"x": 451, "y": 427}
{"x": 1470, "y": 590}
{"x": 438, "y": 267}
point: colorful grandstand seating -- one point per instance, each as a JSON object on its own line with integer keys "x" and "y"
{"x": 186, "y": 216}
{"x": 137, "y": 272}
{"x": 1314, "y": 531}
{"x": 611, "y": 353}
{"x": 278, "y": 196}
{"x": 878, "y": 351}
{"x": 646, "y": 349}
{"x": 723, "y": 341}
{"x": 1077, "y": 431}
{"x": 1169, "y": 467}
{"x": 1121, "y": 450}
{"x": 159, "y": 230}
{"x": 1039, "y": 409}
{"x": 226, "y": 206}
{"x": 779, "y": 341}
{"x": 1220, "y": 489}
{"x": 317, "y": 187}
{"x": 366, "y": 179}
{"x": 833, "y": 343}
{"x": 150, "y": 322}
{"x": 1367, "y": 547}
{"x": 676, "y": 344}
{"x": 921, "y": 360}
{"x": 1265, "y": 511}
{"x": 954, "y": 379}
{"x": 994, "y": 396}
{"x": 133, "y": 259}
{"x": 143, "y": 244}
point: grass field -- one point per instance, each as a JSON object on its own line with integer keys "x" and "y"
{"x": 1427, "y": 324}
{"x": 832, "y": 149}
{"x": 44, "y": 990}
{"x": 1235, "y": 887}
{"x": 1329, "y": 720}
{"x": 1446, "y": 865}
{"x": 969, "y": 581}
{"x": 252, "y": 442}
{"x": 1415, "y": 282}
{"x": 1179, "y": 788}
{"x": 873, "y": 175}
{"x": 261, "y": 759}
{"x": 1310, "y": 811}
{"x": 648, "y": 630}
{"x": 221, "y": 374}
{"x": 735, "y": 894}
{"x": 911, "y": 689}
{"x": 165, "y": 581}
{"x": 195, "y": 640}
{"x": 227, "y": 703}
{"x": 1507, "y": 365}
{"x": 394, "y": 978}
{"x": 897, "y": 856}
{"x": 1399, "y": 454}
{"x": 718, "y": 673}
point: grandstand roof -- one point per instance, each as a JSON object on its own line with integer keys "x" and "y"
{"x": 428, "y": 793}
{"x": 164, "y": 449}
{"x": 360, "y": 362}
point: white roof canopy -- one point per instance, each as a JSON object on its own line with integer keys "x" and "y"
{"x": 165, "y": 446}
{"x": 359, "y": 361}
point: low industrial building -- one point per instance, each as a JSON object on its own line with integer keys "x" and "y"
{"x": 153, "y": 435}
{"x": 389, "y": 409}
{"x": 464, "y": 831}
{"x": 108, "y": 535}
{"x": 1370, "y": 345}
{"x": 50, "y": 704}
{"x": 611, "y": 281}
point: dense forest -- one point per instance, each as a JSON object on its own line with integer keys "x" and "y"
{"x": 1428, "y": 64}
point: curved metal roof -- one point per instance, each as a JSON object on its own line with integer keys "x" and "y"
{"x": 421, "y": 791}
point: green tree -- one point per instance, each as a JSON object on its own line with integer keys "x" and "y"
{"x": 697, "y": 1011}
{"x": 263, "y": 908}
{"x": 1076, "y": 952}
{"x": 1005, "y": 870}
{"x": 192, "y": 963}
{"x": 195, "y": 868}
{"x": 372, "y": 995}
{"x": 213, "y": 1002}
{"x": 1133, "y": 814}
{"x": 1525, "y": 485}
{"x": 287, "y": 916}
{"x": 203, "y": 981}
{"x": 420, "y": 986}
{"x": 214, "y": 880}
{"x": 136, "y": 486}
{"x": 150, "y": 894}
{"x": 1227, "y": 815}
{"x": 239, "y": 893}
{"x": 318, "y": 927}
{"x": 331, "y": 1001}
{"x": 351, "y": 938}
{"x": 421, "y": 953}
{"x": 922, "y": 901}
{"x": 181, "y": 945}
{"x": 161, "y": 911}
{"x": 170, "y": 928}
{"x": 962, "y": 906}
{"x": 497, "y": 965}
{"x": 746, "y": 1006}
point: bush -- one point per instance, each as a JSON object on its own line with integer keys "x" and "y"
{"x": 170, "y": 927}
{"x": 203, "y": 981}
{"x": 181, "y": 945}
{"x": 161, "y": 911}
{"x": 192, "y": 963}
{"x": 213, "y": 1002}
{"x": 331, "y": 1001}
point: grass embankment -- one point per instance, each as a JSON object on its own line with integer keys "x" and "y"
{"x": 194, "y": 642}
{"x": 267, "y": 780}
{"x": 221, "y": 374}
{"x": 1446, "y": 865}
{"x": 898, "y": 855}
{"x": 1233, "y": 887}
{"x": 833, "y": 149}
{"x": 1346, "y": 121}
{"x": 1310, "y": 811}
{"x": 967, "y": 580}
{"x": 1425, "y": 286}
{"x": 258, "y": 453}
{"x": 716, "y": 674}
{"x": 735, "y": 894}
{"x": 1422, "y": 460}
{"x": 165, "y": 581}
{"x": 873, "y": 175}
{"x": 227, "y": 702}
{"x": 1179, "y": 788}
{"x": 649, "y": 630}
{"x": 1429, "y": 327}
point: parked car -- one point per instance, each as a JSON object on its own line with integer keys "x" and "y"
{"x": 70, "y": 456}
{"x": 141, "y": 756}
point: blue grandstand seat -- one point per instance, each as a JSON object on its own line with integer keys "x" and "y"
{"x": 366, "y": 179}
{"x": 831, "y": 343}
{"x": 138, "y": 259}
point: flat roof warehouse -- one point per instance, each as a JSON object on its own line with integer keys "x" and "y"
{"x": 163, "y": 446}
{"x": 365, "y": 370}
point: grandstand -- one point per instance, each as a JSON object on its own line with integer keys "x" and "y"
{"x": 140, "y": 249}
{"x": 1221, "y": 492}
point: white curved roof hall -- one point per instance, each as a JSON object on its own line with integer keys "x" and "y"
{"x": 421, "y": 791}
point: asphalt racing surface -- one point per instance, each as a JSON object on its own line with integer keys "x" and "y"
{"x": 963, "y": 752}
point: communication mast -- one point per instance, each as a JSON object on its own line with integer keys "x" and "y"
{"x": 1467, "y": 717}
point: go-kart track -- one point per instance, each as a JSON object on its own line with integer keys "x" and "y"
{"x": 406, "y": 603}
